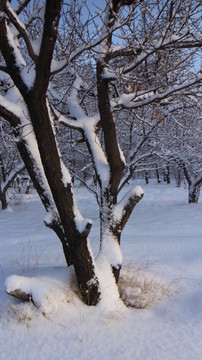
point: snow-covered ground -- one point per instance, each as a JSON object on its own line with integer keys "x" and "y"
{"x": 162, "y": 243}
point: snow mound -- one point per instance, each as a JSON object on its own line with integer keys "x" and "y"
{"x": 46, "y": 293}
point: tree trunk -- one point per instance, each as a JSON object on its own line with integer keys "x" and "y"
{"x": 87, "y": 281}
{"x": 146, "y": 177}
{"x": 112, "y": 228}
{"x": 112, "y": 149}
{"x": 157, "y": 175}
{"x": 178, "y": 178}
{"x": 116, "y": 272}
{"x": 194, "y": 193}
{"x": 61, "y": 190}
{"x": 3, "y": 198}
{"x": 167, "y": 174}
{"x": 46, "y": 198}
{"x": 117, "y": 269}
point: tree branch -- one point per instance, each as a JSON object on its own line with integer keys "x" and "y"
{"x": 134, "y": 101}
{"x": 181, "y": 42}
{"x": 22, "y": 6}
{"x": 9, "y": 55}
{"x": 15, "y": 21}
{"x": 13, "y": 119}
{"x": 124, "y": 208}
{"x": 13, "y": 175}
{"x": 50, "y": 29}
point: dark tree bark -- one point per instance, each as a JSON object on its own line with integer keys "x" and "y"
{"x": 61, "y": 190}
{"x": 3, "y": 199}
{"x": 167, "y": 174}
{"x": 157, "y": 175}
{"x": 110, "y": 137}
{"x": 114, "y": 158}
{"x": 194, "y": 193}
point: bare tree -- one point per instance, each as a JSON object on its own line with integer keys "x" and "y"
{"x": 183, "y": 142}
{"x": 48, "y": 44}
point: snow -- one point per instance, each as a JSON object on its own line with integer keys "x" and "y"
{"x": 66, "y": 177}
{"x": 99, "y": 157}
{"x": 161, "y": 242}
{"x": 111, "y": 249}
{"x": 110, "y": 301}
{"x": 136, "y": 190}
{"x": 58, "y": 65}
{"x": 164, "y": 41}
{"x": 47, "y": 293}
{"x": 12, "y": 101}
{"x": 27, "y": 73}
{"x": 15, "y": 16}
{"x": 133, "y": 101}
{"x": 108, "y": 74}
{"x": 81, "y": 223}
{"x": 88, "y": 126}
{"x": 13, "y": 42}
{"x": 36, "y": 45}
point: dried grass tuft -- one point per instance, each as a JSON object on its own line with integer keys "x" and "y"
{"x": 21, "y": 312}
{"x": 138, "y": 290}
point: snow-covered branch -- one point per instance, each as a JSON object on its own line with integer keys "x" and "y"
{"x": 10, "y": 110}
{"x": 20, "y": 27}
{"x": 123, "y": 209}
{"x": 12, "y": 175}
{"x": 92, "y": 44}
{"x": 87, "y": 125}
{"x": 16, "y": 64}
{"x": 143, "y": 140}
{"x": 179, "y": 41}
{"x": 133, "y": 101}
{"x": 58, "y": 66}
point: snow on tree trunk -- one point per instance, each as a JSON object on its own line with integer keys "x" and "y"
{"x": 60, "y": 185}
{"x": 113, "y": 219}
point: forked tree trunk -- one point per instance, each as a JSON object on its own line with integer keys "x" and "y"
{"x": 115, "y": 227}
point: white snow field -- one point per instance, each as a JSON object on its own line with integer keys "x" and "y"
{"x": 162, "y": 252}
